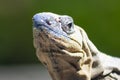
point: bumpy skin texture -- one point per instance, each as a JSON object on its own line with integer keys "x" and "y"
{"x": 67, "y": 52}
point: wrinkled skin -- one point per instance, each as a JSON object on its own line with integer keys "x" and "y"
{"x": 66, "y": 51}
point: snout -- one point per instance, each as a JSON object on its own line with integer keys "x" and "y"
{"x": 38, "y": 20}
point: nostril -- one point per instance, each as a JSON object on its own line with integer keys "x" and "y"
{"x": 48, "y": 22}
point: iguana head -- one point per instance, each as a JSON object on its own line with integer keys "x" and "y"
{"x": 56, "y": 32}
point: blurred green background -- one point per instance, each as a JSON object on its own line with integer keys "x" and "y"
{"x": 100, "y": 19}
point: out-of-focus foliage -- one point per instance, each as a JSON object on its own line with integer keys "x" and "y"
{"x": 100, "y": 19}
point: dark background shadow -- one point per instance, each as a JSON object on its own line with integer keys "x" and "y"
{"x": 100, "y": 19}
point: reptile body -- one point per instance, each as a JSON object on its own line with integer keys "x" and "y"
{"x": 66, "y": 51}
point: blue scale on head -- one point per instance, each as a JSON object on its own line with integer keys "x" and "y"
{"x": 47, "y": 22}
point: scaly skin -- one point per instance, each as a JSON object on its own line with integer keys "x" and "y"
{"x": 66, "y": 51}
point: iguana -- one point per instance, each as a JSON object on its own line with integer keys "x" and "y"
{"x": 66, "y": 51}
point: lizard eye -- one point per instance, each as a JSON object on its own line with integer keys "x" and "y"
{"x": 69, "y": 28}
{"x": 70, "y": 25}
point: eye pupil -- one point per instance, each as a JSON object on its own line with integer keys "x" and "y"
{"x": 69, "y": 25}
